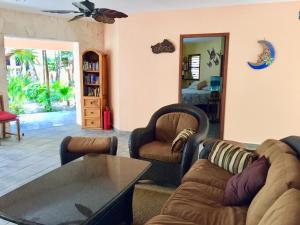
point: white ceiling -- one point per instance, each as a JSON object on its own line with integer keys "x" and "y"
{"x": 127, "y": 6}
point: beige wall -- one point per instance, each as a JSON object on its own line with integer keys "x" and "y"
{"x": 201, "y": 48}
{"x": 89, "y": 35}
{"x": 260, "y": 104}
{"x": 19, "y": 43}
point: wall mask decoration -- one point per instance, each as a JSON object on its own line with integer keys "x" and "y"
{"x": 214, "y": 57}
{"x": 212, "y": 54}
{"x": 266, "y": 58}
{"x": 209, "y": 64}
{"x": 216, "y": 61}
{"x": 162, "y": 47}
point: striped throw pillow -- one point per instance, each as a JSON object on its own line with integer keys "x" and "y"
{"x": 231, "y": 157}
{"x": 181, "y": 139}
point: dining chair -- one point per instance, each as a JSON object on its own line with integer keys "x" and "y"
{"x": 7, "y": 117}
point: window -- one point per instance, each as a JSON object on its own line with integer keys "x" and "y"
{"x": 194, "y": 66}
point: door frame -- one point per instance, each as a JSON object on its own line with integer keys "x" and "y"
{"x": 224, "y": 72}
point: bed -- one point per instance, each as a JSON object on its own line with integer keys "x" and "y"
{"x": 192, "y": 95}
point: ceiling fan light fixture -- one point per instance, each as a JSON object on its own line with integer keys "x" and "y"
{"x": 87, "y": 9}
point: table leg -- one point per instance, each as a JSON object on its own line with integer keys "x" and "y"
{"x": 128, "y": 208}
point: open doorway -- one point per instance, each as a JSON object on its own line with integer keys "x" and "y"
{"x": 203, "y": 73}
{"x": 41, "y": 78}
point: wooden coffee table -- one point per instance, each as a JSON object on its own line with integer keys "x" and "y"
{"x": 91, "y": 190}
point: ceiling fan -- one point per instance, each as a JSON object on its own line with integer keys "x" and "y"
{"x": 87, "y": 9}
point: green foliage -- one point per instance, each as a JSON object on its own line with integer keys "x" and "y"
{"x": 37, "y": 92}
{"x": 60, "y": 92}
{"x": 16, "y": 92}
{"x": 27, "y": 88}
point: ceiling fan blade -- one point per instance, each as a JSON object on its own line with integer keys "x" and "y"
{"x": 60, "y": 11}
{"x": 104, "y": 19}
{"x": 85, "y": 5}
{"x": 76, "y": 17}
{"x": 111, "y": 13}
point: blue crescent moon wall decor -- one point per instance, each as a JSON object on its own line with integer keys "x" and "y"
{"x": 266, "y": 58}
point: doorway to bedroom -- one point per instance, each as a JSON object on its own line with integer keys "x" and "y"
{"x": 202, "y": 78}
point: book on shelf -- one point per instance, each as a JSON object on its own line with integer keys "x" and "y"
{"x": 92, "y": 91}
{"x": 90, "y": 66}
{"x": 91, "y": 79}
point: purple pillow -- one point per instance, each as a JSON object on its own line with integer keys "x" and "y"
{"x": 241, "y": 188}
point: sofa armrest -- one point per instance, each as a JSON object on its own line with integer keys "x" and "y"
{"x": 294, "y": 143}
{"x": 189, "y": 150}
{"x": 138, "y": 138}
{"x": 206, "y": 149}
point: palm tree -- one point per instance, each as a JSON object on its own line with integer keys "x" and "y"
{"x": 46, "y": 80}
{"x": 26, "y": 58}
{"x": 67, "y": 63}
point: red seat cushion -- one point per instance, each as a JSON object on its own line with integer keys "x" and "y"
{"x": 7, "y": 116}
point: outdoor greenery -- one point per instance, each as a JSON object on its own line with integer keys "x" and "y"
{"x": 16, "y": 94}
{"x": 27, "y": 86}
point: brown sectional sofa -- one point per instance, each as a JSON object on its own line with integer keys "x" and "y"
{"x": 198, "y": 200}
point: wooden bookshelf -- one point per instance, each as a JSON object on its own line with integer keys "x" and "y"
{"x": 94, "y": 89}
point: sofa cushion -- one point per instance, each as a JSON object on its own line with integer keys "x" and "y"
{"x": 205, "y": 172}
{"x": 202, "y": 204}
{"x": 231, "y": 157}
{"x": 242, "y": 187}
{"x": 160, "y": 151}
{"x": 282, "y": 176}
{"x": 89, "y": 145}
{"x": 169, "y": 125}
{"x": 273, "y": 149}
{"x": 168, "y": 220}
{"x": 286, "y": 210}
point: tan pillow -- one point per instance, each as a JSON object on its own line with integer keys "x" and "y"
{"x": 201, "y": 84}
{"x": 231, "y": 157}
{"x": 181, "y": 139}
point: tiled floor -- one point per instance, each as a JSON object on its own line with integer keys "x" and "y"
{"x": 45, "y": 120}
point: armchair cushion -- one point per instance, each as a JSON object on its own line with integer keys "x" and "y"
{"x": 160, "y": 151}
{"x": 169, "y": 125}
{"x": 89, "y": 145}
{"x": 181, "y": 139}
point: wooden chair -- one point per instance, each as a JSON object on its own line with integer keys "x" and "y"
{"x": 6, "y": 117}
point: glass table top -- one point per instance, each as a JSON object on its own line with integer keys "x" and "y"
{"x": 73, "y": 193}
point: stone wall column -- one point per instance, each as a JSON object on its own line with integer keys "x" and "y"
{"x": 3, "y": 80}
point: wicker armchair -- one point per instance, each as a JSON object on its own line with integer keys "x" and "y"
{"x": 153, "y": 143}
